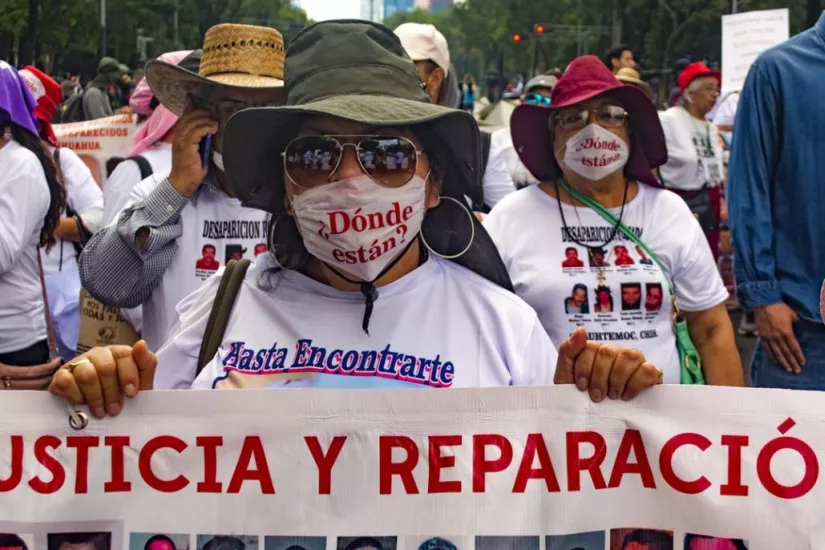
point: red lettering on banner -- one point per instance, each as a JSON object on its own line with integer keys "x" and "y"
{"x": 439, "y": 462}
{"x": 253, "y": 449}
{"x": 16, "y": 462}
{"x": 325, "y": 462}
{"x": 734, "y": 486}
{"x": 592, "y": 465}
{"x": 82, "y": 443}
{"x": 763, "y": 464}
{"x": 41, "y": 452}
{"x": 145, "y": 464}
{"x": 666, "y": 463}
{"x": 210, "y": 444}
{"x": 535, "y": 447}
{"x": 118, "y": 484}
{"x": 482, "y": 466}
{"x": 404, "y": 469}
{"x": 632, "y": 442}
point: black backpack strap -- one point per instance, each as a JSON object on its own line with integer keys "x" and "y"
{"x": 231, "y": 281}
{"x": 143, "y": 164}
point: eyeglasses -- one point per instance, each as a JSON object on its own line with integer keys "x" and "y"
{"x": 537, "y": 99}
{"x": 609, "y": 116}
{"x": 311, "y": 161}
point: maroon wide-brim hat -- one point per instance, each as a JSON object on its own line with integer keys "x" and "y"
{"x": 585, "y": 78}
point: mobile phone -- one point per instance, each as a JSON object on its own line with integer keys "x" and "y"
{"x": 205, "y": 149}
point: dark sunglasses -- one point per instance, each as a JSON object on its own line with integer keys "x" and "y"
{"x": 537, "y": 99}
{"x": 311, "y": 161}
{"x": 608, "y": 116}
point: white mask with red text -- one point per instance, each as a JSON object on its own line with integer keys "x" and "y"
{"x": 358, "y": 226}
{"x": 594, "y": 153}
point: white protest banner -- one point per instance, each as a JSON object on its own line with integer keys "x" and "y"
{"x": 96, "y": 141}
{"x": 510, "y": 468}
{"x": 744, "y": 37}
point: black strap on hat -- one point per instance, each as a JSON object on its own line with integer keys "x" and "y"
{"x": 368, "y": 288}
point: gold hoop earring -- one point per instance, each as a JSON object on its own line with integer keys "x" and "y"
{"x": 432, "y": 215}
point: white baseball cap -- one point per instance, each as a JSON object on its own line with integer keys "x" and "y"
{"x": 423, "y": 43}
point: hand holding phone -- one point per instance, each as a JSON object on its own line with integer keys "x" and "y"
{"x": 191, "y": 151}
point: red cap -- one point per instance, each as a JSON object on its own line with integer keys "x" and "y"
{"x": 48, "y": 94}
{"x": 694, "y": 71}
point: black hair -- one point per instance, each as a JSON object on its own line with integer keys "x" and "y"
{"x": 615, "y": 53}
{"x": 159, "y": 538}
{"x": 101, "y": 541}
{"x": 9, "y": 540}
{"x": 573, "y": 248}
{"x": 296, "y": 547}
{"x": 739, "y": 544}
{"x": 57, "y": 192}
{"x": 656, "y": 540}
{"x": 364, "y": 542}
{"x": 631, "y": 285}
{"x": 212, "y": 246}
{"x": 224, "y": 543}
{"x": 579, "y": 286}
{"x": 618, "y": 246}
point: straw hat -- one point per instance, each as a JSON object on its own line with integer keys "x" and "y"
{"x": 627, "y": 75}
{"x": 234, "y": 56}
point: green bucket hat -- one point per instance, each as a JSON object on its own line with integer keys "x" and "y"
{"x": 358, "y": 71}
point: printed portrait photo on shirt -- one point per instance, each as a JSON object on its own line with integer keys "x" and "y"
{"x": 709, "y": 542}
{"x": 641, "y": 539}
{"x": 158, "y": 541}
{"x": 11, "y": 541}
{"x": 654, "y": 297}
{"x": 571, "y": 258}
{"x": 80, "y": 541}
{"x": 367, "y": 543}
{"x": 295, "y": 543}
{"x": 235, "y": 252}
{"x": 604, "y": 300}
{"x": 579, "y": 541}
{"x": 430, "y": 542}
{"x": 227, "y": 542}
{"x": 598, "y": 257}
{"x": 622, "y": 256}
{"x": 508, "y": 543}
{"x": 261, "y": 248}
{"x": 631, "y": 296}
{"x": 577, "y": 302}
{"x": 643, "y": 258}
{"x": 207, "y": 261}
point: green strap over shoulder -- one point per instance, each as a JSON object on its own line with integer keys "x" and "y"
{"x": 231, "y": 281}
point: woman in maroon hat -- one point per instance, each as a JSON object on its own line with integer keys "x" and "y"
{"x": 595, "y": 148}
{"x": 694, "y": 168}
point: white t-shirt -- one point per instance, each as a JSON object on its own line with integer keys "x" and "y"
{"x": 24, "y": 202}
{"x": 502, "y": 144}
{"x": 84, "y": 197}
{"x": 497, "y": 182}
{"x": 216, "y": 229}
{"x": 126, "y": 176}
{"x": 694, "y": 153}
{"x": 631, "y": 306}
{"x": 725, "y": 112}
{"x": 439, "y": 326}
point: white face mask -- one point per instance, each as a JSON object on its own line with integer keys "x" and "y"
{"x": 358, "y": 226}
{"x": 594, "y": 153}
{"x": 217, "y": 160}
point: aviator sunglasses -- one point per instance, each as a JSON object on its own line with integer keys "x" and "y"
{"x": 390, "y": 161}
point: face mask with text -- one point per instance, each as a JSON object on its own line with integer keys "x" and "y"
{"x": 358, "y": 226}
{"x": 594, "y": 153}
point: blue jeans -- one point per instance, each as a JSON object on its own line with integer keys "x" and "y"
{"x": 765, "y": 373}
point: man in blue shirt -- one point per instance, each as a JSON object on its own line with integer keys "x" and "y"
{"x": 776, "y": 202}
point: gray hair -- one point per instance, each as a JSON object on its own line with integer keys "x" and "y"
{"x": 692, "y": 88}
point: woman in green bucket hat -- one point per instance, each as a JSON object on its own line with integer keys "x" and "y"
{"x": 378, "y": 275}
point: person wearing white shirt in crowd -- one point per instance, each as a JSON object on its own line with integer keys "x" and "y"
{"x": 32, "y": 200}
{"x": 504, "y": 166}
{"x": 150, "y": 256}
{"x": 329, "y": 308}
{"x": 152, "y": 141}
{"x": 599, "y": 140}
{"x": 695, "y": 168}
{"x": 84, "y": 210}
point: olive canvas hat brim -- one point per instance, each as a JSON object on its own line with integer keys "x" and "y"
{"x": 255, "y": 139}
{"x": 172, "y": 84}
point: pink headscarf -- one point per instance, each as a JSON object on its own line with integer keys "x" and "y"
{"x": 161, "y": 120}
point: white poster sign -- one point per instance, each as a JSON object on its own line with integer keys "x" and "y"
{"x": 96, "y": 141}
{"x": 744, "y": 37}
{"x": 496, "y": 469}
